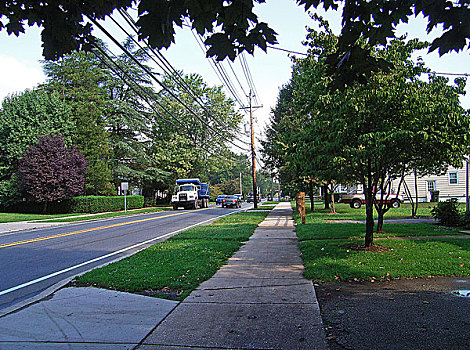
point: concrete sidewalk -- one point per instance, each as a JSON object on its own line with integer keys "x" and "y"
{"x": 259, "y": 300}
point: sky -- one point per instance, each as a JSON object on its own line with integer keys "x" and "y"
{"x": 20, "y": 66}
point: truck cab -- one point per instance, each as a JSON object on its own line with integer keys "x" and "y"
{"x": 190, "y": 194}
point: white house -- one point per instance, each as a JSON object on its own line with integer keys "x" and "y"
{"x": 452, "y": 184}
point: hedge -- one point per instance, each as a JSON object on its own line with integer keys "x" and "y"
{"x": 99, "y": 204}
{"x": 83, "y": 204}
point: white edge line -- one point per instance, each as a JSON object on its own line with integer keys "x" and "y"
{"x": 43, "y": 278}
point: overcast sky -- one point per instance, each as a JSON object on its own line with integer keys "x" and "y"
{"x": 20, "y": 67}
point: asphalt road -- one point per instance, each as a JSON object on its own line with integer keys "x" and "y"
{"x": 34, "y": 260}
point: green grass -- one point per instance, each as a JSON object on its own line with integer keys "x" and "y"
{"x": 174, "y": 268}
{"x": 15, "y": 217}
{"x": 330, "y": 250}
{"x": 353, "y": 231}
{"x": 270, "y": 202}
{"x": 345, "y": 212}
{"x": 113, "y": 214}
{"x": 336, "y": 260}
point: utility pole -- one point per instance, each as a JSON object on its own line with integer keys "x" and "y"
{"x": 253, "y": 156}
{"x": 241, "y": 187}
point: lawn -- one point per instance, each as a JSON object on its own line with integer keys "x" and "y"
{"x": 175, "y": 267}
{"x": 15, "y": 217}
{"x": 333, "y": 251}
{"x": 345, "y": 212}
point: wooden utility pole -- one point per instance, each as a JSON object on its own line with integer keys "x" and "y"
{"x": 300, "y": 205}
{"x": 253, "y": 156}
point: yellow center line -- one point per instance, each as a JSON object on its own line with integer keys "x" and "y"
{"x": 92, "y": 229}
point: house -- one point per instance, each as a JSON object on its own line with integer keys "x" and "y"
{"x": 452, "y": 184}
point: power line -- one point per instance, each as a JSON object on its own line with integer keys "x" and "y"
{"x": 152, "y": 75}
{"x": 249, "y": 79}
{"x": 172, "y": 72}
{"x": 285, "y": 50}
{"x": 453, "y": 74}
{"x": 220, "y": 71}
{"x": 103, "y": 52}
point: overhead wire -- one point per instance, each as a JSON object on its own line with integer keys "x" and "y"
{"x": 218, "y": 67}
{"x": 169, "y": 69}
{"x": 152, "y": 75}
{"x": 173, "y": 74}
{"x": 109, "y": 59}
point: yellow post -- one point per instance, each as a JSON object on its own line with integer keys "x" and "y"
{"x": 300, "y": 205}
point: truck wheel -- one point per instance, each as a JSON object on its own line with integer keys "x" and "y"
{"x": 175, "y": 207}
{"x": 196, "y": 204}
{"x": 356, "y": 204}
{"x": 395, "y": 203}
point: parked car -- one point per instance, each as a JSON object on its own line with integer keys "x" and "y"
{"x": 240, "y": 196}
{"x": 231, "y": 201}
{"x": 250, "y": 198}
{"x": 356, "y": 200}
{"x": 219, "y": 199}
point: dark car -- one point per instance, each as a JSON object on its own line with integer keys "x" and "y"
{"x": 231, "y": 201}
{"x": 219, "y": 198}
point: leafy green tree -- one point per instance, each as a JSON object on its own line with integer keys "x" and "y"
{"x": 79, "y": 78}
{"x": 377, "y": 131}
{"x": 24, "y": 118}
{"x": 197, "y": 120}
{"x": 128, "y": 117}
{"x": 233, "y": 27}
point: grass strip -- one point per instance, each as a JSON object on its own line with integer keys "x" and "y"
{"x": 338, "y": 260}
{"x": 345, "y": 212}
{"x": 174, "y": 268}
{"x": 112, "y": 214}
{"x": 333, "y": 251}
{"x": 16, "y": 217}
{"x": 355, "y": 231}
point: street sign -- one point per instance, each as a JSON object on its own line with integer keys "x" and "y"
{"x": 124, "y": 186}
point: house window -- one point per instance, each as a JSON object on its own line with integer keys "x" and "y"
{"x": 431, "y": 186}
{"x": 453, "y": 178}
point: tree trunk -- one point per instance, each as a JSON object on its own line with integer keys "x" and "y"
{"x": 44, "y": 209}
{"x": 332, "y": 210}
{"x": 415, "y": 208}
{"x": 380, "y": 222}
{"x": 369, "y": 241}
{"x": 310, "y": 194}
{"x": 326, "y": 197}
{"x": 368, "y": 191}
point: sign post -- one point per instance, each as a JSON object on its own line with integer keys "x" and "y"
{"x": 124, "y": 188}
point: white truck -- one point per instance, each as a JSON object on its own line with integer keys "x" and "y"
{"x": 190, "y": 194}
{"x": 356, "y": 200}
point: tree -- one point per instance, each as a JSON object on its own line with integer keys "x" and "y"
{"x": 128, "y": 117}
{"x": 197, "y": 119}
{"x": 24, "y": 118}
{"x": 232, "y": 27}
{"x": 376, "y": 131}
{"x": 49, "y": 171}
{"x": 79, "y": 78}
